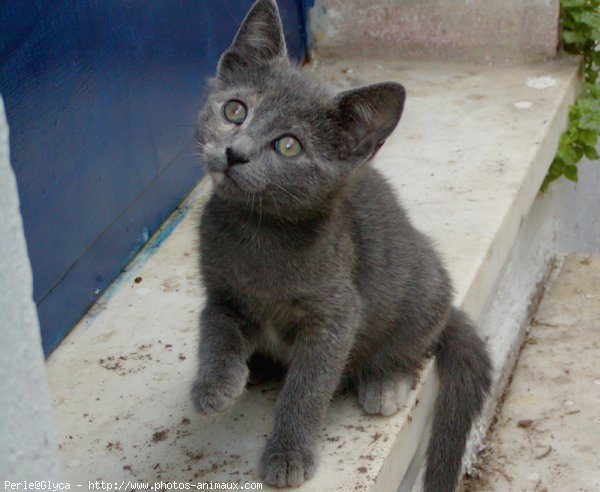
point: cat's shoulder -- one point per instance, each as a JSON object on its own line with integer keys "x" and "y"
{"x": 371, "y": 188}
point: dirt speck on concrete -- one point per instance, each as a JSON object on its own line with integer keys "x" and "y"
{"x": 159, "y": 436}
{"x": 114, "y": 446}
{"x": 375, "y": 437}
{"x": 525, "y": 423}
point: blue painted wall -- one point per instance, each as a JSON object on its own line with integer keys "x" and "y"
{"x": 101, "y": 98}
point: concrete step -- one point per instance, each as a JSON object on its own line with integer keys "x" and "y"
{"x": 467, "y": 160}
{"x": 472, "y": 30}
{"x": 546, "y": 436}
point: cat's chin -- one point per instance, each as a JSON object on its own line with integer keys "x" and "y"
{"x": 227, "y": 186}
{"x": 230, "y": 185}
{"x": 224, "y": 183}
{"x": 217, "y": 177}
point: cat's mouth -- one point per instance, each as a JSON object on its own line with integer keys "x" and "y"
{"x": 220, "y": 177}
{"x": 217, "y": 177}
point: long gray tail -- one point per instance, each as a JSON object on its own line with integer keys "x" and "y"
{"x": 464, "y": 370}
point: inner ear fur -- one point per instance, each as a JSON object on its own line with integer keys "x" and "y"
{"x": 367, "y": 116}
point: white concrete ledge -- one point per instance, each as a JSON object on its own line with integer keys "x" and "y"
{"x": 467, "y": 160}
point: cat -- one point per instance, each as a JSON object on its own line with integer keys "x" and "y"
{"x": 309, "y": 260}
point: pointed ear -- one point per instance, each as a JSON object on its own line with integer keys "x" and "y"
{"x": 366, "y": 116}
{"x": 259, "y": 39}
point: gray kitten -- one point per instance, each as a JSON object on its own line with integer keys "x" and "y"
{"x": 309, "y": 260}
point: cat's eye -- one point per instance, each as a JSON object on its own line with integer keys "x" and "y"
{"x": 288, "y": 146}
{"x": 235, "y": 111}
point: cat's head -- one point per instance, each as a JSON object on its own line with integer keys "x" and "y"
{"x": 270, "y": 130}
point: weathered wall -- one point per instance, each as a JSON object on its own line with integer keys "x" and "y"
{"x": 28, "y": 449}
{"x": 578, "y": 218}
{"x": 471, "y": 30}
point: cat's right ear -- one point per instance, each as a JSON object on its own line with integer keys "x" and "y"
{"x": 259, "y": 40}
{"x": 366, "y": 116}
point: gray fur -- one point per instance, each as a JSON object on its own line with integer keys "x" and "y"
{"x": 310, "y": 261}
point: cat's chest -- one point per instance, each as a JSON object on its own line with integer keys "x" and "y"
{"x": 263, "y": 271}
{"x": 280, "y": 323}
{"x": 263, "y": 265}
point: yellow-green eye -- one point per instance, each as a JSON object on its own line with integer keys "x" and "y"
{"x": 288, "y": 146}
{"x": 235, "y": 111}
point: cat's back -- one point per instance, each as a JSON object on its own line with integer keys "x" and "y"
{"x": 395, "y": 261}
{"x": 379, "y": 222}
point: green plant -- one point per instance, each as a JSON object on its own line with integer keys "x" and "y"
{"x": 581, "y": 34}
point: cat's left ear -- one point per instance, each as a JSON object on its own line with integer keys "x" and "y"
{"x": 259, "y": 40}
{"x": 366, "y": 116}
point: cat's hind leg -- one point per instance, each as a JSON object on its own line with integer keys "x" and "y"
{"x": 384, "y": 395}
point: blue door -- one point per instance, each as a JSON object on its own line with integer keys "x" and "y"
{"x": 101, "y": 98}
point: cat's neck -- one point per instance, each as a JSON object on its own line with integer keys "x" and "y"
{"x": 259, "y": 212}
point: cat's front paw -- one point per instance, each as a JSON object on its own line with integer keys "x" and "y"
{"x": 216, "y": 396}
{"x": 383, "y": 396}
{"x": 287, "y": 468}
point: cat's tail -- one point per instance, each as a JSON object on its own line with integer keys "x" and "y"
{"x": 464, "y": 369}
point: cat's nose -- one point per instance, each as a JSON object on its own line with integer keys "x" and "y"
{"x": 234, "y": 157}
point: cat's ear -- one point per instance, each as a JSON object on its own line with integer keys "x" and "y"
{"x": 259, "y": 40}
{"x": 366, "y": 116}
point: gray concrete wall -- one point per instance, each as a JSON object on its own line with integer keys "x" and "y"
{"x": 28, "y": 445}
{"x": 469, "y": 30}
{"x": 578, "y": 219}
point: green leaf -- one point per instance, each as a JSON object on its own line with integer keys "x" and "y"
{"x": 568, "y": 155}
{"x": 574, "y": 111}
{"x": 572, "y": 3}
{"x": 593, "y": 89}
{"x": 588, "y": 18}
{"x": 557, "y": 166}
{"x": 590, "y": 121}
{"x": 589, "y": 105}
{"x": 570, "y": 172}
{"x": 587, "y": 137}
{"x": 580, "y": 21}
{"x": 565, "y": 140}
{"x": 567, "y": 21}
{"x": 572, "y": 133}
{"x": 573, "y": 37}
{"x": 591, "y": 153}
{"x": 545, "y": 184}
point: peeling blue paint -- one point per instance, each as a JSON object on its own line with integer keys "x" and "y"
{"x": 101, "y": 98}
